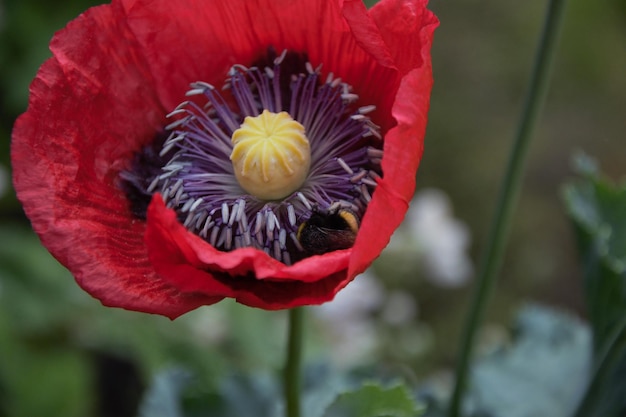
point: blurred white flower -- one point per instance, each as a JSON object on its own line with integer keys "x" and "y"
{"x": 400, "y": 308}
{"x": 348, "y": 322}
{"x": 4, "y": 181}
{"x": 362, "y": 296}
{"x": 445, "y": 240}
{"x": 440, "y": 241}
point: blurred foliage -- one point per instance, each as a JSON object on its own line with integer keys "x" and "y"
{"x": 598, "y": 210}
{"x": 481, "y": 62}
{"x": 542, "y": 373}
{"x": 260, "y": 395}
{"x": 541, "y": 370}
{"x": 372, "y": 400}
{"x": 63, "y": 354}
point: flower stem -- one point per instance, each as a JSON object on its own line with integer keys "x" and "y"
{"x": 292, "y": 375}
{"x": 509, "y": 191}
{"x": 612, "y": 354}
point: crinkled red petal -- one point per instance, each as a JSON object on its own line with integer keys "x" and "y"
{"x": 240, "y": 262}
{"x": 248, "y": 275}
{"x": 219, "y": 34}
{"x": 68, "y": 149}
{"x": 406, "y": 29}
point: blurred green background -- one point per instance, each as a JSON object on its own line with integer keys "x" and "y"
{"x": 63, "y": 354}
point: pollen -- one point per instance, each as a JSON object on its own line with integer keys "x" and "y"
{"x": 271, "y": 155}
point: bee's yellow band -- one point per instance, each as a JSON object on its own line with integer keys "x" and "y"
{"x": 351, "y": 219}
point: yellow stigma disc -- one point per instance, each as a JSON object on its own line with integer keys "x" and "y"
{"x": 271, "y": 155}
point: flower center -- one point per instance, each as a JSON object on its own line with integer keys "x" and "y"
{"x": 271, "y": 155}
{"x": 278, "y": 160}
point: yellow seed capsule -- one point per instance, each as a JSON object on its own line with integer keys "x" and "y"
{"x": 271, "y": 155}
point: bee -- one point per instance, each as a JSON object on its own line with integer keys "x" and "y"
{"x": 328, "y": 230}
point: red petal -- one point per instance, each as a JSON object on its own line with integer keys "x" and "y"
{"x": 249, "y": 275}
{"x": 68, "y": 149}
{"x": 406, "y": 27}
{"x": 410, "y": 109}
{"x": 366, "y": 32}
{"x": 200, "y": 40}
{"x": 217, "y": 35}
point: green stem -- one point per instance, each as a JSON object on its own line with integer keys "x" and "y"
{"x": 509, "y": 191}
{"x": 292, "y": 375}
{"x": 613, "y": 352}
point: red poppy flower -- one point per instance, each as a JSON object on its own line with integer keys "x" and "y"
{"x": 162, "y": 207}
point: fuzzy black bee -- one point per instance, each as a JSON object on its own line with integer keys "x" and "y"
{"x": 328, "y": 230}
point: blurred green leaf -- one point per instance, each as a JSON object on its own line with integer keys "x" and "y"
{"x": 374, "y": 400}
{"x": 51, "y": 331}
{"x": 606, "y": 392}
{"x": 251, "y": 395}
{"x": 322, "y": 384}
{"x": 26, "y": 271}
{"x": 542, "y": 374}
{"x": 176, "y": 393}
{"x": 163, "y": 398}
{"x": 597, "y": 209}
{"x": 38, "y": 384}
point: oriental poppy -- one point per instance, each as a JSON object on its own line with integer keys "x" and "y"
{"x": 171, "y": 151}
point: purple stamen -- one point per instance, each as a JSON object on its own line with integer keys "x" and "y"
{"x": 195, "y": 177}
